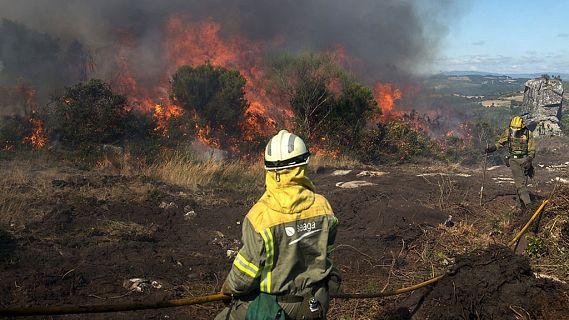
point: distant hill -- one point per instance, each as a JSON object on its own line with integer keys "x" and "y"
{"x": 564, "y": 76}
{"x": 470, "y": 73}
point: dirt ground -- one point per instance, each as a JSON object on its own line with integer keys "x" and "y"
{"x": 87, "y": 233}
{"x": 487, "y": 284}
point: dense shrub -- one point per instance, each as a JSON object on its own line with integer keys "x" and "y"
{"x": 306, "y": 84}
{"x": 88, "y": 114}
{"x": 349, "y": 116}
{"x": 329, "y": 106}
{"x": 215, "y": 96}
{"x": 396, "y": 141}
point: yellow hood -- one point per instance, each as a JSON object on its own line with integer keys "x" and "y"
{"x": 288, "y": 190}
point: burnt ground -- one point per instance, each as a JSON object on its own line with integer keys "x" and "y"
{"x": 87, "y": 232}
{"x": 487, "y": 284}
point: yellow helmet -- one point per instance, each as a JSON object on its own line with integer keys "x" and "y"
{"x": 285, "y": 150}
{"x": 517, "y": 123}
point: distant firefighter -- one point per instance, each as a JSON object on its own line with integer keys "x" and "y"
{"x": 519, "y": 140}
{"x": 284, "y": 269}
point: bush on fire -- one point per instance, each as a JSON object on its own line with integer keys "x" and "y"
{"x": 88, "y": 114}
{"x": 215, "y": 95}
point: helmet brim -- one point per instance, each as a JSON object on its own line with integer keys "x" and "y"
{"x": 288, "y": 163}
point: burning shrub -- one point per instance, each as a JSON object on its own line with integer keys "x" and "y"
{"x": 89, "y": 113}
{"x": 215, "y": 95}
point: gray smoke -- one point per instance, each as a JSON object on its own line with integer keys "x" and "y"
{"x": 387, "y": 40}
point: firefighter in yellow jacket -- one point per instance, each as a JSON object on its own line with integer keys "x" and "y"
{"x": 519, "y": 140}
{"x": 284, "y": 269}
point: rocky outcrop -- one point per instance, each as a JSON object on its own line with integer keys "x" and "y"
{"x": 541, "y": 108}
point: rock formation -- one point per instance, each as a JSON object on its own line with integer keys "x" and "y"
{"x": 541, "y": 108}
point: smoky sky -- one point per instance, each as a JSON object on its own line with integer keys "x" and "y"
{"x": 386, "y": 40}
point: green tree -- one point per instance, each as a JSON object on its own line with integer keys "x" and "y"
{"x": 349, "y": 115}
{"x": 307, "y": 83}
{"x": 215, "y": 95}
{"x": 326, "y": 100}
{"x": 88, "y": 114}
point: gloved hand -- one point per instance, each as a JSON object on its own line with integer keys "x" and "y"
{"x": 225, "y": 289}
{"x": 491, "y": 149}
{"x": 334, "y": 283}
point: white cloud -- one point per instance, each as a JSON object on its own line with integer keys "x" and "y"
{"x": 529, "y": 62}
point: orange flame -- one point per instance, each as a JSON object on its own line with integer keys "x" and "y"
{"x": 202, "y": 135}
{"x": 318, "y": 149}
{"x": 386, "y": 95}
{"x": 163, "y": 114}
{"x": 38, "y": 138}
{"x": 196, "y": 43}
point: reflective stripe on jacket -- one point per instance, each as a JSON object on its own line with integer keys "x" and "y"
{"x": 288, "y": 236}
{"x": 519, "y": 146}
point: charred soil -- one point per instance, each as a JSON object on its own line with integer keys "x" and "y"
{"x": 77, "y": 237}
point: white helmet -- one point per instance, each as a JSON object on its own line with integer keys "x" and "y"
{"x": 285, "y": 150}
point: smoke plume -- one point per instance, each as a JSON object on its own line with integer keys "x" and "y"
{"x": 54, "y": 40}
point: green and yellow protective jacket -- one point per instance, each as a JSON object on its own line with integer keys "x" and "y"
{"x": 521, "y": 145}
{"x": 288, "y": 236}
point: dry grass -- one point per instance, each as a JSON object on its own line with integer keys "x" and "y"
{"x": 27, "y": 186}
{"x": 23, "y": 184}
{"x": 30, "y": 186}
{"x": 555, "y": 219}
{"x": 120, "y": 164}
{"x": 194, "y": 174}
{"x": 339, "y": 162}
{"x": 188, "y": 171}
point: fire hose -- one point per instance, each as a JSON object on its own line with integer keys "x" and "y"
{"x": 519, "y": 235}
{"x": 83, "y": 309}
{"x": 535, "y": 215}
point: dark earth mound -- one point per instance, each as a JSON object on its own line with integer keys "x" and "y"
{"x": 487, "y": 284}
